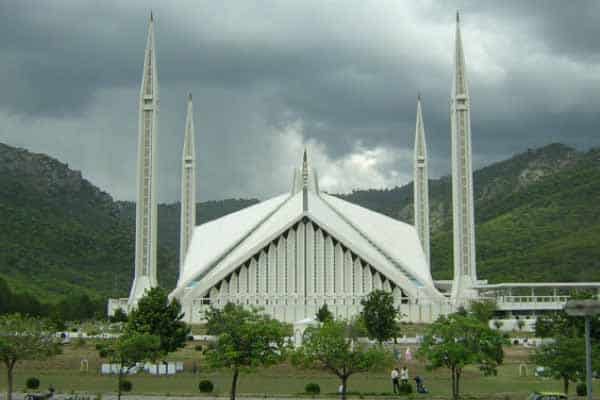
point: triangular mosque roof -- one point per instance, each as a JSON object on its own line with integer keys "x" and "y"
{"x": 220, "y": 246}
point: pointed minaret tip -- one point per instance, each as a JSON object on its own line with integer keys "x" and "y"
{"x": 151, "y": 16}
{"x": 419, "y": 96}
{"x": 457, "y": 16}
{"x": 304, "y": 156}
{"x": 190, "y": 96}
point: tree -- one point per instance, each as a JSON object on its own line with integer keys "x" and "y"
{"x": 520, "y": 324}
{"x": 130, "y": 349}
{"x": 379, "y": 315}
{"x": 564, "y": 359}
{"x": 246, "y": 339}
{"x": 483, "y": 310}
{"x": 119, "y": 316}
{"x": 323, "y": 314}
{"x": 457, "y": 340}
{"x": 156, "y": 315}
{"x": 24, "y": 338}
{"x": 332, "y": 347}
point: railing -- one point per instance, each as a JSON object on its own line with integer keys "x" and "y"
{"x": 533, "y": 299}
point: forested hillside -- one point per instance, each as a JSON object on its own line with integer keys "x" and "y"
{"x": 537, "y": 214}
{"x": 59, "y": 234}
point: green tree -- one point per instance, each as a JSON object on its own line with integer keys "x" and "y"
{"x": 130, "y": 349}
{"x": 156, "y": 315}
{"x": 457, "y": 340}
{"x": 564, "y": 359}
{"x": 333, "y": 347}
{"x": 560, "y": 324}
{"x": 483, "y": 310}
{"x": 24, "y": 338}
{"x": 379, "y": 316}
{"x": 119, "y": 316}
{"x": 246, "y": 339}
{"x": 323, "y": 314}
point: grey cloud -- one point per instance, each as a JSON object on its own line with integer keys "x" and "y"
{"x": 349, "y": 71}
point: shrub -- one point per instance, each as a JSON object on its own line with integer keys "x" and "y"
{"x": 406, "y": 388}
{"x": 206, "y": 386}
{"x": 32, "y": 383}
{"x": 312, "y": 388}
{"x": 99, "y": 346}
{"x": 581, "y": 389}
{"x": 103, "y": 353}
{"x": 190, "y": 338}
{"x": 126, "y": 385}
{"x": 198, "y": 347}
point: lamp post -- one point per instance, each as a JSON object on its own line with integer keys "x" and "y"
{"x": 586, "y": 309}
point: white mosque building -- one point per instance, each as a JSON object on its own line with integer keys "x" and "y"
{"x": 297, "y": 251}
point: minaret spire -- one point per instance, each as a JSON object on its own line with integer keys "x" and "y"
{"x": 145, "y": 227}
{"x": 188, "y": 187}
{"x": 463, "y": 215}
{"x": 421, "y": 183}
{"x": 304, "y": 182}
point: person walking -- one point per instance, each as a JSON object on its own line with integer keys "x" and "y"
{"x": 395, "y": 375}
{"x": 404, "y": 375}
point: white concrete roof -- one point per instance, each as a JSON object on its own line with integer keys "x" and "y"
{"x": 220, "y": 246}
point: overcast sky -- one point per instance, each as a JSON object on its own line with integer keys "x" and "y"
{"x": 271, "y": 77}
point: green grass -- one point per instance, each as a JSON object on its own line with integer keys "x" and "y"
{"x": 63, "y": 373}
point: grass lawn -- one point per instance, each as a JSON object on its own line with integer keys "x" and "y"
{"x": 63, "y": 373}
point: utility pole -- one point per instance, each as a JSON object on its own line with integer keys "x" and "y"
{"x": 586, "y": 309}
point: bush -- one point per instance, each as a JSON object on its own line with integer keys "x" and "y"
{"x": 99, "y": 346}
{"x": 581, "y": 389}
{"x": 126, "y": 385}
{"x": 312, "y": 388}
{"x": 103, "y": 353}
{"x": 118, "y": 316}
{"x": 198, "y": 347}
{"x": 406, "y": 388}
{"x": 206, "y": 386}
{"x": 32, "y": 383}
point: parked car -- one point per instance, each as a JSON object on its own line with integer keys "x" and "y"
{"x": 547, "y": 396}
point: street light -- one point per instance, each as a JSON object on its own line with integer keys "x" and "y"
{"x": 586, "y": 309}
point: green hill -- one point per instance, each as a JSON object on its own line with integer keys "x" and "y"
{"x": 61, "y": 235}
{"x": 537, "y": 218}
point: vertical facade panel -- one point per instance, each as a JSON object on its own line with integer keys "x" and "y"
{"x": 263, "y": 273}
{"x": 291, "y": 261}
{"x": 358, "y": 277}
{"x": 310, "y": 259}
{"x": 319, "y": 262}
{"x": 272, "y": 270}
{"x": 376, "y": 281}
{"x": 339, "y": 269}
{"x": 252, "y": 275}
{"x": 329, "y": 266}
{"x": 282, "y": 277}
{"x": 368, "y": 279}
{"x": 243, "y": 280}
{"x": 348, "y": 273}
{"x": 300, "y": 259}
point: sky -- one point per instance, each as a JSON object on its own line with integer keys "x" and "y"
{"x": 270, "y": 78}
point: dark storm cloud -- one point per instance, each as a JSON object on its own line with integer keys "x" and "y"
{"x": 339, "y": 76}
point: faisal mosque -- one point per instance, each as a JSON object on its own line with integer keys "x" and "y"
{"x": 293, "y": 253}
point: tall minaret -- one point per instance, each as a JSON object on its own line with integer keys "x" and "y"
{"x": 188, "y": 186}
{"x": 465, "y": 274}
{"x": 421, "y": 183}
{"x": 145, "y": 221}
